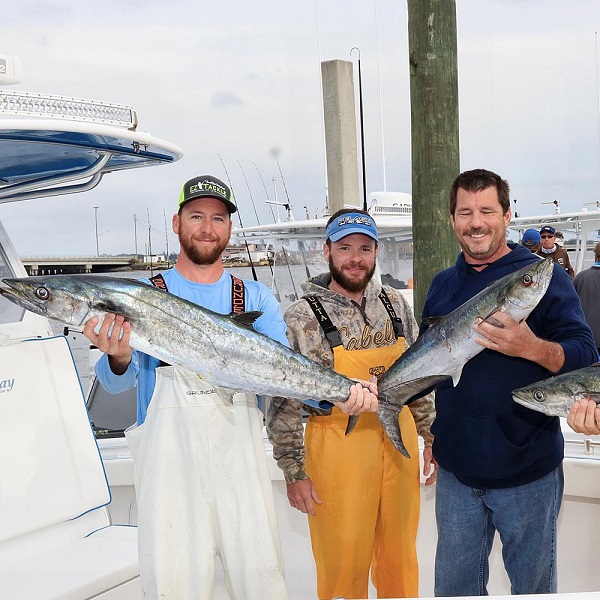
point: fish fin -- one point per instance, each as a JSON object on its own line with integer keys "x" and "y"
{"x": 595, "y": 396}
{"x": 226, "y": 396}
{"x": 492, "y": 321}
{"x": 456, "y": 375}
{"x": 402, "y": 393}
{"x": 431, "y": 321}
{"x": 352, "y": 420}
{"x": 388, "y": 417}
{"x": 246, "y": 318}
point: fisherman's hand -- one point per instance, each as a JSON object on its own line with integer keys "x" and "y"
{"x": 429, "y": 466}
{"x": 505, "y": 335}
{"x": 302, "y": 495}
{"x": 362, "y": 398}
{"x": 512, "y": 338}
{"x": 584, "y": 417}
{"x": 112, "y": 339}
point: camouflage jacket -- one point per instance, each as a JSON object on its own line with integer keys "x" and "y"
{"x": 360, "y": 327}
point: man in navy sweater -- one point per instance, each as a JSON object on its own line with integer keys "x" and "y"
{"x": 500, "y": 464}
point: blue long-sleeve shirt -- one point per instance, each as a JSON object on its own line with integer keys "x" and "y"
{"x": 481, "y": 435}
{"x": 215, "y": 296}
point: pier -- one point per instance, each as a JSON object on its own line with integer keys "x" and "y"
{"x": 54, "y": 265}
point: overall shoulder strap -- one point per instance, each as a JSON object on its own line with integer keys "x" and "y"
{"x": 329, "y": 329}
{"x": 159, "y": 282}
{"x": 396, "y": 320}
{"x": 238, "y": 295}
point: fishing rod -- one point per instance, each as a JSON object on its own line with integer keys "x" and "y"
{"x": 150, "y": 243}
{"x": 166, "y": 237}
{"x": 239, "y": 218}
{"x": 362, "y": 131}
{"x": 296, "y": 296}
{"x": 266, "y": 193}
{"x": 277, "y": 295}
{"x": 300, "y": 242}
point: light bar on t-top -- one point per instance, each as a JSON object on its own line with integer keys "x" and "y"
{"x": 63, "y": 107}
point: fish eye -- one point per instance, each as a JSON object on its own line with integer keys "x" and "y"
{"x": 538, "y": 396}
{"x": 527, "y": 279}
{"x": 42, "y": 293}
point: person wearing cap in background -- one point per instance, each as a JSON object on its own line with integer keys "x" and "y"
{"x": 584, "y": 416}
{"x": 361, "y": 494}
{"x": 202, "y": 480}
{"x": 550, "y": 249}
{"x": 531, "y": 240}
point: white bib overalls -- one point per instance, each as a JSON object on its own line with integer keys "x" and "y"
{"x": 203, "y": 490}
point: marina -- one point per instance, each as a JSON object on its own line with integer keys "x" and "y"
{"x": 68, "y": 525}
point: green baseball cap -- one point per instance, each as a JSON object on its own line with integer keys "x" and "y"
{"x": 206, "y": 186}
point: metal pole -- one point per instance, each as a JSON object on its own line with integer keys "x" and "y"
{"x": 96, "y": 223}
{"x": 362, "y": 131}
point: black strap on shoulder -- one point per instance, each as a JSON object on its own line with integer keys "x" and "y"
{"x": 238, "y": 295}
{"x": 329, "y": 329}
{"x": 396, "y": 320}
{"x": 159, "y": 282}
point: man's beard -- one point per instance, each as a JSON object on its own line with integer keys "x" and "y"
{"x": 202, "y": 257}
{"x": 350, "y": 285}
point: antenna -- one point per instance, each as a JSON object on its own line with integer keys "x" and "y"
{"x": 556, "y": 206}
{"x": 380, "y": 99}
{"x": 362, "y": 131}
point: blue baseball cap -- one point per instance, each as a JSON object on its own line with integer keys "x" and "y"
{"x": 349, "y": 223}
{"x": 531, "y": 237}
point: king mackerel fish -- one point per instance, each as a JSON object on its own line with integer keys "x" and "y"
{"x": 555, "y": 396}
{"x": 225, "y": 351}
{"x": 443, "y": 350}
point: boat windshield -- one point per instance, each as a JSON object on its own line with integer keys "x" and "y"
{"x": 9, "y": 312}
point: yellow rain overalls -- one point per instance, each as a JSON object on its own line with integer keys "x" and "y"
{"x": 369, "y": 514}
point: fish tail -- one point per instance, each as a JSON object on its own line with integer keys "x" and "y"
{"x": 388, "y": 417}
{"x": 403, "y": 393}
{"x": 352, "y": 420}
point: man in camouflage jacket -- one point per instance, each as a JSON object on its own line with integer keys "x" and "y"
{"x": 331, "y": 472}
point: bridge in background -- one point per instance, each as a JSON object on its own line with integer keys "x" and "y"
{"x": 53, "y": 265}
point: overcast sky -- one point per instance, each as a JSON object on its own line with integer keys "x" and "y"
{"x": 241, "y": 80}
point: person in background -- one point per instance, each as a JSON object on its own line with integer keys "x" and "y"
{"x": 584, "y": 416}
{"x": 560, "y": 238}
{"x": 202, "y": 480}
{"x": 499, "y": 464}
{"x": 550, "y": 249}
{"x": 531, "y": 240}
{"x": 361, "y": 494}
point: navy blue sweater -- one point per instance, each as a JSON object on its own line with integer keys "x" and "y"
{"x": 481, "y": 435}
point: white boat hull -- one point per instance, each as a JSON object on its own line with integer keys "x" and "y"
{"x": 579, "y": 566}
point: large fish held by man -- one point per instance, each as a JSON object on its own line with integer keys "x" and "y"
{"x": 555, "y": 396}
{"x": 444, "y": 349}
{"x": 225, "y": 351}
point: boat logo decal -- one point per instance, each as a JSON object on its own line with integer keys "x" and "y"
{"x": 6, "y": 385}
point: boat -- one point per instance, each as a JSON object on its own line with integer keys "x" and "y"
{"x": 68, "y": 521}
{"x": 61, "y": 532}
